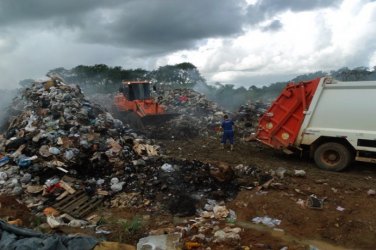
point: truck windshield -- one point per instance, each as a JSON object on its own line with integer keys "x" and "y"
{"x": 139, "y": 91}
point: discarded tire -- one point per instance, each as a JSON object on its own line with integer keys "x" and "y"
{"x": 332, "y": 156}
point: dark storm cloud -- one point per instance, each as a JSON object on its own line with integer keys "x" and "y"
{"x": 158, "y": 26}
{"x": 167, "y": 25}
{"x": 148, "y": 27}
{"x": 266, "y": 9}
{"x": 66, "y": 12}
{"x": 273, "y": 26}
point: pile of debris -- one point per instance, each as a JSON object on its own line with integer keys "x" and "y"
{"x": 247, "y": 118}
{"x": 198, "y": 115}
{"x": 60, "y": 134}
{"x": 63, "y": 151}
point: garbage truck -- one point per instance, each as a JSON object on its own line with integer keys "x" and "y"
{"x": 334, "y": 121}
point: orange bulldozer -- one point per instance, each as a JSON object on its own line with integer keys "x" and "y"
{"x": 135, "y": 106}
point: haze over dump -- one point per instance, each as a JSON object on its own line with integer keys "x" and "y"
{"x": 6, "y": 97}
{"x": 246, "y": 42}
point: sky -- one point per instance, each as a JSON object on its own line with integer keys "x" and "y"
{"x": 240, "y": 42}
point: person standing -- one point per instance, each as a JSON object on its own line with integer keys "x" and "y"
{"x": 228, "y": 131}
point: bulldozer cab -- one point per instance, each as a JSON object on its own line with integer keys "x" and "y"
{"x": 134, "y": 105}
{"x": 136, "y": 90}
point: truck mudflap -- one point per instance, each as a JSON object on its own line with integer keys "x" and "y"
{"x": 280, "y": 124}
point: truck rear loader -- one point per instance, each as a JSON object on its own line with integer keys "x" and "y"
{"x": 334, "y": 121}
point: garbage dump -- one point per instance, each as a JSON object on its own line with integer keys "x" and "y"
{"x": 64, "y": 156}
{"x": 63, "y": 148}
{"x": 198, "y": 115}
{"x": 59, "y": 133}
{"x": 75, "y": 167}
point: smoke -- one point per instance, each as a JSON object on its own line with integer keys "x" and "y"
{"x": 202, "y": 88}
{"x": 225, "y": 95}
{"x": 6, "y": 97}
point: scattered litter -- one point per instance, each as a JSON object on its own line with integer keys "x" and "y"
{"x": 3, "y": 176}
{"x": 232, "y": 216}
{"x": 77, "y": 223}
{"x": 220, "y": 212}
{"x": 341, "y": 209}
{"x": 371, "y": 192}
{"x": 50, "y": 211}
{"x": 192, "y": 245}
{"x": 267, "y": 221}
{"x": 280, "y": 172}
{"x": 102, "y": 230}
{"x": 301, "y": 203}
{"x": 315, "y": 203}
{"x": 227, "y": 235}
{"x": 261, "y": 192}
{"x": 299, "y": 173}
{"x": 170, "y": 241}
{"x": 4, "y": 160}
{"x": 54, "y": 222}
{"x": 34, "y": 189}
{"x": 321, "y": 181}
{"x": 16, "y": 222}
{"x": 167, "y": 168}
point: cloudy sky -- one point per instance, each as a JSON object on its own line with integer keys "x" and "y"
{"x": 243, "y": 42}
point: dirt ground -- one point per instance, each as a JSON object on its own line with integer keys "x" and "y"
{"x": 302, "y": 227}
{"x": 327, "y": 228}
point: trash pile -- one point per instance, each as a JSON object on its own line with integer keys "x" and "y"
{"x": 103, "y": 100}
{"x": 189, "y": 102}
{"x": 198, "y": 115}
{"x": 61, "y": 143}
{"x": 178, "y": 185}
{"x": 65, "y": 152}
{"x": 214, "y": 225}
{"x": 247, "y": 118}
{"x": 63, "y": 156}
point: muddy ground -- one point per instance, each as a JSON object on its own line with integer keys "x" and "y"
{"x": 327, "y": 228}
{"x": 352, "y": 228}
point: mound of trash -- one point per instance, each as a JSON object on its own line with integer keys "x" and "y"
{"x": 61, "y": 148}
{"x": 197, "y": 114}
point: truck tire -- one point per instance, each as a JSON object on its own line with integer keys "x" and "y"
{"x": 332, "y": 156}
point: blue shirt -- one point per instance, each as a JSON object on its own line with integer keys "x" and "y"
{"x": 227, "y": 125}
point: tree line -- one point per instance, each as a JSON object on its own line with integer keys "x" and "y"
{"x": 101, "y": 78}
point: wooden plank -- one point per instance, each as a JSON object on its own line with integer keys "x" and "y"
{"x": 73, "y": 206}
{"x": 68, "y": 199}
{"x": 72, "y": 200}
{"x": 90, "y": 208}
{"x": 78, "y": 204}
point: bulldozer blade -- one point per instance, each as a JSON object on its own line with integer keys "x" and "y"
{"x": 158, "y": 119}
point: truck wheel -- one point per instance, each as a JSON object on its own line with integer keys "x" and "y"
{"x": 332, "y": 156}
